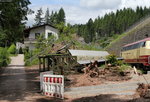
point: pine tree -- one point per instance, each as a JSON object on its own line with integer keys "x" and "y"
{"x": 61, "y": 16}
{"x": 90, "y": 30}
{"x": 111, "y": 23}
{"x": 53, "y": 18}
{"x": 47, "y": 17}
{"x": 38, "y": 17}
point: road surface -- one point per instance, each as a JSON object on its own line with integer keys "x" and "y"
{"x": 18, "y": 84}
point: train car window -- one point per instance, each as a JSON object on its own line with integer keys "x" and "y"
{"x": 128, "y": 48}
{"x": 143, "y": 44}
{"x": 139, "y": 45}
{"x": 135, "y": 46}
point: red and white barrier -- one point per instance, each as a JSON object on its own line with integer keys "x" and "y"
{"x": 42, "y": 78}
{"x": 53, "y": 86}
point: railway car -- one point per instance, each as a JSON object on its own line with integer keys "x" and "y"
{"x": 137, "y": 52}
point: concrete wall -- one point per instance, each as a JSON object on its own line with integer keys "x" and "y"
{"x": 40, "y": 30}
{"x": 19, "y": 45}
{"x": 49, "y": 29}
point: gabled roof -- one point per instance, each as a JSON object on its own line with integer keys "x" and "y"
{"x": 28, "y": 29}
{"x": 88, "y": 53}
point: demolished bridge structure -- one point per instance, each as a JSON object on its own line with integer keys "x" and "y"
{"x": 66, "y": 59}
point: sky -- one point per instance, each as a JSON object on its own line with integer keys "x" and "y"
{"x": 80, "y": 11}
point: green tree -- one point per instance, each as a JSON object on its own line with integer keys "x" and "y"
{"x": 111, "y": 23}
{"x": 4, "y": 57}
{"x": 47, "y": 17}
{"x": 12, "y": 19}
{"x": 40, "y": 42}
{"x": 61, "y": 16}
{"x": 38, "y": 17}
{"x": 53, "y": 18}
{"x": 90, "y": 31}
{"x": 12, "y": 49}
{"x": 3, "y": 38}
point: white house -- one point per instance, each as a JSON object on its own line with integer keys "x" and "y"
{"x": 31, "y": 34}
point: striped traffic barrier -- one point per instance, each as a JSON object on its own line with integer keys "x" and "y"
{"x": 53, "y": 86}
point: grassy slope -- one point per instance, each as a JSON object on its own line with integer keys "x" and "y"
{"x": 136, "y": 33}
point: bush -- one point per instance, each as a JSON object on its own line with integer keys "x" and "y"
{"x": 20, "y": 50}
{"x": 12, "y": 49}
{"x": 112, "y": 59}
{"x": 4, "y": 57}
{"x": 119, "y": 62}
{"x": 30, "y": 54}
{"x": 27, "y": 55}
{"x": 27, "y": 63}
{"x": 124, "y": 67}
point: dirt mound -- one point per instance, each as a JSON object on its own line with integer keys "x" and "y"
{"x": 107, "y": 75}
{"x": 112, "y": 74}
{"x": 82, "y": 80}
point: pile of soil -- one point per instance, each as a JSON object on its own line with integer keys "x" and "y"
{"x": 107, "y": 75}
{"x": 143, "y": 91}
{"x": 81, "y": 80}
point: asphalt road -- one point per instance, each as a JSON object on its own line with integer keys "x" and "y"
{"x": 18, "y": 84}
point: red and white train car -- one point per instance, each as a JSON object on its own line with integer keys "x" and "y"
{"x": 137, "y": 52}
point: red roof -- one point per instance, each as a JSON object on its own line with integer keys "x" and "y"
{"x": 146, "y": 39}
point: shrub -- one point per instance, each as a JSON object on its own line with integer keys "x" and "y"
{"x": 12, "y": 49}
{"x": 4, "y": 57}
{"x": 27, "y": 63}
{"x": 20, "y": 50}
{"x": 119, "y": 62}
{"x": 27, "y": 55}
{"x": 30, "y": 54}
{"x": 124, "y": 67}
{"x": 112, "y": 59}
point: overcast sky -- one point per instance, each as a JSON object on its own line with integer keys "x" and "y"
{"x": 79, "y": 11}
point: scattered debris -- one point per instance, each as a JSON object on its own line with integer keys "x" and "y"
{"x": 143, "y": 90}
{"x": 92, "y": 69}
{"x": 135, "y": 70}
{"x": 94, "y": 75}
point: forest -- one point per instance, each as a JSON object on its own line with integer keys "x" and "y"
{"x": 113, "y": 23}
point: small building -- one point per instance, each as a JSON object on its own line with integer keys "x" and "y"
{"x": 31, "y": 34}
{"x": 87, "y": 56}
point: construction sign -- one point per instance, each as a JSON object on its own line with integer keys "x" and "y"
{"x": 53, "y": 86}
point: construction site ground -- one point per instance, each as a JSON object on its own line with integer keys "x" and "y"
{"x": 21, "y": 84}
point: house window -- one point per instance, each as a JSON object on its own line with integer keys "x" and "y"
{"x": 49, "y": 35}
{"x": 37, "y": 35}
